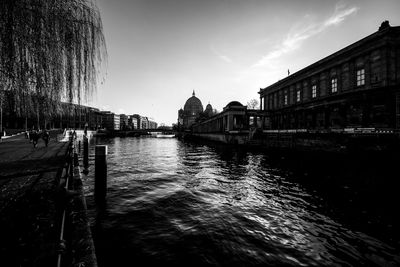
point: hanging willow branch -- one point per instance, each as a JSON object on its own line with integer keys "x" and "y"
{"x": 50, "y": 51}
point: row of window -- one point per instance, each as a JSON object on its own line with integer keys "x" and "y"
{"x": 360, "y": 80}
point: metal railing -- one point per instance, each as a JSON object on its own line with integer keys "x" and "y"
{"x": 67, "y": 175}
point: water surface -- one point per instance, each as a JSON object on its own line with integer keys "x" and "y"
{"x": 189, "y": 204}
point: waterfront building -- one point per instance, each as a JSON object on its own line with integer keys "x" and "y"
{"x": 69, "y": 115}
{"x": 132, "y": 123}
{"x": 123, "y": 121}
{"x": 138, "y": 120}
{"x": 151, "y": 124}
{"x": 76, "y": 116}
{"x": 348, "y": 101}
{"x": 356, "y": 87}
{"x": 110, "y": 120}
{"x": 144, "y": 122}
{"x": 190, "y": 112}
{"x": 232, "y": 119}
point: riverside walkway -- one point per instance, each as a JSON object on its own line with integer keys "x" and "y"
{"x": 32, "y": 202}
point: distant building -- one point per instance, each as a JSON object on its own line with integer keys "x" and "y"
{"x": 76, "y": 116}
{"x": 132, "y": 123}
{"x": 110, "y": 120}
{"x": 233, "y": 118}
{"x": 152, "y": 124}
{"x": 209, "y": 110}
{"x": 144, "y": 123}
{"x": 123, "y": 120}
{"x": 191, "y": 111}
{"x": 138, "y": 121}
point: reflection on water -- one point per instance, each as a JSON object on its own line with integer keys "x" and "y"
{"x": 192, "y": 204}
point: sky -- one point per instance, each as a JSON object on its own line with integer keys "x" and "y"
{"x": 159, "y": 51}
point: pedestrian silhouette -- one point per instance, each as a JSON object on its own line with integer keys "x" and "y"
{"x": 46, "y": 137}
{"x": 35, "y": 138}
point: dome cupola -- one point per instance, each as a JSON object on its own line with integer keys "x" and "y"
{"x": 193, "y": 105}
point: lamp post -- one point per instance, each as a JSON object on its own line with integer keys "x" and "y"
{"x": 1, "y": 115}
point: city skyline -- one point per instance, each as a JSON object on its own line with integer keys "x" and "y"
{"x": 160, "y": 51}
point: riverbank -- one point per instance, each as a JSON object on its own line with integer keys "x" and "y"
{"x": 32, "y": 201}
{"x": 306, "y": 141}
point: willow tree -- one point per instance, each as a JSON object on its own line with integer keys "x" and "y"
{"x": 50, "y": 51}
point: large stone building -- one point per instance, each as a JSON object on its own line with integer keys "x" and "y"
{"x": 191, "y": 111}
{"x": 356, "y": 87}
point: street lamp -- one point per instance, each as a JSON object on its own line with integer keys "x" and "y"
{"x": 1, "y": 115}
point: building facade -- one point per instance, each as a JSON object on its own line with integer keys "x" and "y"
{"x": 132, "y": 123}
{"x": 356, "y": 87}
{"x": 191, "y": 111}
{"x": 123, "y": 120}
{"x": 151, "y": 124}
{"x": 143, "y": 122}
{"x": 68, "y": 115}
{"x": 110, "y": 121}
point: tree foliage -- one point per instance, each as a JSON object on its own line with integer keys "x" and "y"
{"x": 253, "y": 104}
{"x": 50, "y": 51}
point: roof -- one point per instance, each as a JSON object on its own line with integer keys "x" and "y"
{"x": 193, "y": 104}
{"x": 234, "y": 104}
{"x": 348, "y": 49}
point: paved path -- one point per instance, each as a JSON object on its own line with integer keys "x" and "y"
{"x": 28, "y": 201}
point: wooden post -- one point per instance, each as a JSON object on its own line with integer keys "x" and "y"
{"x": 100, "y": 171}
{"x": 71, "y": 167}
{"x": 85, "y": 155}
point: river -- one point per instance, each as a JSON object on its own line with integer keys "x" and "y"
{"x": 194, "y": 204}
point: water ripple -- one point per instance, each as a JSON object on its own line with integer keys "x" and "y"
{"x": 187, "y": 204}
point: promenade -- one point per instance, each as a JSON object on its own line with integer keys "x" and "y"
{"x": 29, "y": 177}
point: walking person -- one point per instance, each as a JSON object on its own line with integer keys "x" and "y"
{"x": 46, "y": 137}
{"x": 35, "y": 138}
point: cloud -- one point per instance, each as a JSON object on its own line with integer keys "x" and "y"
{"x": 105, "y": 108}
{"x": 221, "y": 56}
{"x": 300, "y": 32}
{"x": 341, "y": 12}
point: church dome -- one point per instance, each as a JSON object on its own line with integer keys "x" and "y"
{"x": 193, "y": 105}
{"x": 208, "y": 110}
{"x": 234, "y": 104}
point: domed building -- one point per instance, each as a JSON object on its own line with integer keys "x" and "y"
{"x": 209, "y": 110}
{"x": 192, "y": 110}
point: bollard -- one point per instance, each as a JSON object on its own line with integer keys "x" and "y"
{"x": 71, "y": 170}
{"x": 85, "y": 155}
{"x": 100, "y": 174}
